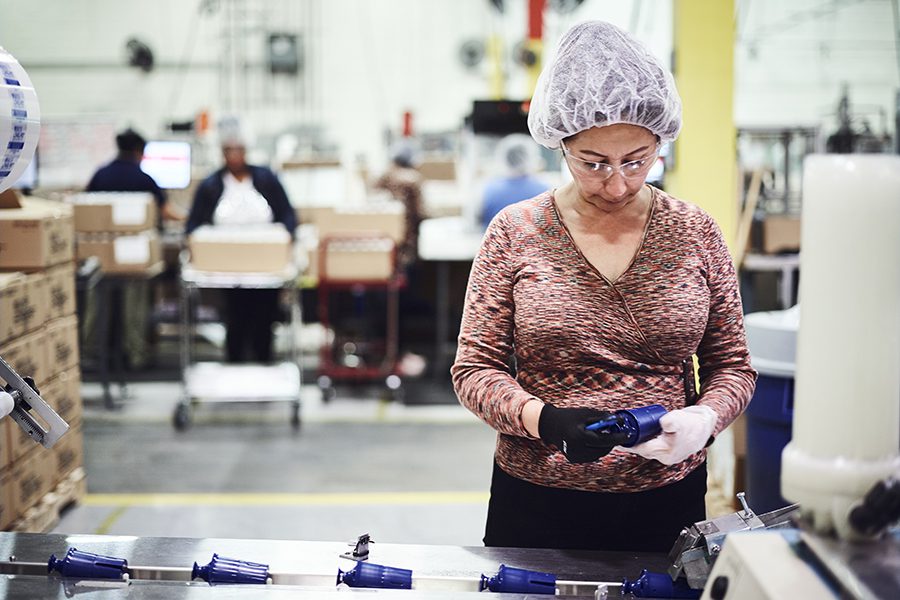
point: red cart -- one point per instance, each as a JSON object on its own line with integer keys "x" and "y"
{"x": 358, "y": 296}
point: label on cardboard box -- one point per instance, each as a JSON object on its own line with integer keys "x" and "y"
{"x": 131, "y": 250}
{"x": 62, "y": 345}
{"x": 68, "y": 453}
{"x": 37, "y": 290}
{"x": 61, "y": 290}
{"x": 12, "y": 302}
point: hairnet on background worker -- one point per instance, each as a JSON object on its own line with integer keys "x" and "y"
{"x": 599, "y": 293}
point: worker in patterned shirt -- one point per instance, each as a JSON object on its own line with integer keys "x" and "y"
{"x": 592, "y": 298}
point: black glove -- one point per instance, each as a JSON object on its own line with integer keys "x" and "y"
{"x": 565, "y": 429}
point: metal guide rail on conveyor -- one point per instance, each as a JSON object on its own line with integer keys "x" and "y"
{"x": 165, "y": 568}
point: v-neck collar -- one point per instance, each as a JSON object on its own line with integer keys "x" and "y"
{"x": 637, "y": 252}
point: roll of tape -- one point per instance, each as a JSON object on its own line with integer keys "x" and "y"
{"x": 20, "y": 120}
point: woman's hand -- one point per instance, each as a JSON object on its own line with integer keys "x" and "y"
{"x": 566, "y": 428}
{"x": 684, "y": 432}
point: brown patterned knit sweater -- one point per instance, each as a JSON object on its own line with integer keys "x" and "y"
{"x": 580, "y": 341}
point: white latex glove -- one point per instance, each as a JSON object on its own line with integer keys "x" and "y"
{"x": 6, "y": 404}
{"x": 684, "y": 432}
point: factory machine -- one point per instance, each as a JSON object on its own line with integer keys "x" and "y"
{"x": 841, "y": 467}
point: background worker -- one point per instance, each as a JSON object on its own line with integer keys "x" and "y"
{"x": 124, "y": 174}
{"x": 129, "y": 312}
{"x": 517, "y": 158}
{"x": 404, "y": 182}
{"x": 601, "y": 291}
{"x": 241, "y": 195}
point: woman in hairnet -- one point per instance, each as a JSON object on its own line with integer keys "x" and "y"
{"x": 599, "y": 293}
{"x": 517, "y": 158}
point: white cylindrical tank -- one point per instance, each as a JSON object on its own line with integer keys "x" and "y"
{"x": 846, "y": 429}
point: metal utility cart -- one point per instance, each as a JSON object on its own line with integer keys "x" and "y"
{"x": 210, "y": 382}
{"x": 359, "y": 265}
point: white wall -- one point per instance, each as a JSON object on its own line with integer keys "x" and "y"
{"x": 369, "y": 60}
{"x": 792, "y": 58}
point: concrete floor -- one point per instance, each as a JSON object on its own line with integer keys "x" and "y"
{"x": 403, "y": 473}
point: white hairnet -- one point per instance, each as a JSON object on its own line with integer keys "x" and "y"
{"x": 602, "y": 76}
{"x": 518, "y": 155}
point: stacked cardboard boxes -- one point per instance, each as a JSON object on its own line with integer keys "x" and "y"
{"x": 38, "y": 338}
{"x": 119, "y": 228}
{"x": 359, "y": 242}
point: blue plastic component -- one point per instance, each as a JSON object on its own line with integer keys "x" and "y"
{"x": 770, "y": 416}
{"x": 519, "y": 581}
{"x": 87, "y": 565}
{"x": 368, "y": 575}
{"x": 658, "y": 585}
{"x": 230, "y": 570}
{"x": 640, "y": 424}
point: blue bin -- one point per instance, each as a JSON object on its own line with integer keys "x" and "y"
{"x": 769, "y": 419}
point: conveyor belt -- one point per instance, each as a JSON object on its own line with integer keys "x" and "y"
{"x": 160, "y": 567}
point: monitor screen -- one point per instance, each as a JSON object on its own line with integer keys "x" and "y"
{"x": 28, "y": 179}
{"x": 168, "y": 163}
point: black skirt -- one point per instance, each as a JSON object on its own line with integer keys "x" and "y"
{"x": 525, "y": 515}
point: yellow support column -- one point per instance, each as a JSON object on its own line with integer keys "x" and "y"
{"x": 705, "y": 171}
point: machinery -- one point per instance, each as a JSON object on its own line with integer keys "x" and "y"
{"x": 20, "y": 400}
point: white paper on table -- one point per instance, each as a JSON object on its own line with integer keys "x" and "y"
{"x": 131, "y": 249}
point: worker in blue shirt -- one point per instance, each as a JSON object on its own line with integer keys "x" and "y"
{"x": 124, "y": 174}
{"x": 517, "y": 157}
{"x": 130, "y": 306}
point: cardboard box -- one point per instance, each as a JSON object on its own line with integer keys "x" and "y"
{"x": 7, "y": 508}
{"x": 119, "y": 212}
{"x": 61, "y": 290}
{"x": 36, "y": 236}
{"x": 121, "y": 253}
{"x": 387, "y": 218}
{"x": 37, "y": 295}
{"x": 63, "y": 394}
{"x": 437, "y": 169}
{"x": 13, "y": 305}
{"x": 27, "y": 356}
{"x": 781, "y": 233}
{"x": 32, "y": 478}
{"x": 313, "y": 215}
{"x": 62, "y": 345}
{"x": 354, "y": 259}
{"x": 6, "y": 442}
{"x": 227, "y": 250}
{"x": 67, "y": 453}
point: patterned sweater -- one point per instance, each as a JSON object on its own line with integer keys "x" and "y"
{"x": 579, "y": 340}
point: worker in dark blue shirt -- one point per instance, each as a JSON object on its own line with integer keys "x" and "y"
{"x": 124, "y": 174}
{"x": 130, "y": 305}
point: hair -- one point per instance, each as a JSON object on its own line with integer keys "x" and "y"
{"x": 130, "y": 141}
